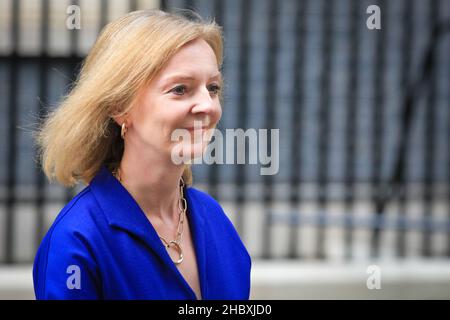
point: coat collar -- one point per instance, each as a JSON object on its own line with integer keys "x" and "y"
{"x": 123, "y": 212}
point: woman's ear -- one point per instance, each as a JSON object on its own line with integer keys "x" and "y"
{"x": 121, "y": 119}
{"x": 118, "y": 120}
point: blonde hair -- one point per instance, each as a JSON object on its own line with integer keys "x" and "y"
{"x": 80, "y": 136}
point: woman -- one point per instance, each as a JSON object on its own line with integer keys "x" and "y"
{"x": 138, "y": 231}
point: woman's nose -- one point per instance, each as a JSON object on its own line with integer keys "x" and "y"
{"x": 204, "y": 102}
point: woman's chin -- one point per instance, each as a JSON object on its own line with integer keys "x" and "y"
{"x": 193, "y": 153}
{"x": 198, "y": 151}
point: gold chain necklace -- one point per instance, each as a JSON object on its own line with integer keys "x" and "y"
{"x": 182, "y": 206}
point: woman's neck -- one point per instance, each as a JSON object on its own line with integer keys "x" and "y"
{"x": 153, "y": 183}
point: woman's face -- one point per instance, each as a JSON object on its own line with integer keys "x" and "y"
{"x": 185, "y": 91}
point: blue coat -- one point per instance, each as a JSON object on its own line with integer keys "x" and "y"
{"x": 102, "y": 246}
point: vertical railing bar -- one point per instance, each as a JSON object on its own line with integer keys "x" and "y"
{"x": 189, "y": 4}
{"x": 429, "y": 130}
{"x": 74, "y": 61}
{"x": 270, "y": 99}
{"x": 42, "y": 103}
{"x": 446, "y": 28}
{"x": 163, "y": 5}
{"x": 74, "y": 36}
{"x": 353, "y": 90}
{"x": 104, "y": 10}
{"x": 297, "y": 126}
{"x": 378, "y": 132}
{"x": 447, "y": 162}
{"x": 12, "y": 134}
{"x": 213, "y": 169}
{"x": 324, "y": 123}
{"x": 403, "y": 188}
{"x": 132, "y": 5}
{"x": 240, "y": 177}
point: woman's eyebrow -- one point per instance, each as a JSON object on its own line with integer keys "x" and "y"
{"x": 217, "y": 76}
{"x": 185, "y": 77}
{"x": 178, "y": 77}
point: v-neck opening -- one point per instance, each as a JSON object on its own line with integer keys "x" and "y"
{"x": 194, "y": 231}
{"x": 194, "y": 246}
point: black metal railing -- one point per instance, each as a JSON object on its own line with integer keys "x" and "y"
{"x": 362, "y": 115}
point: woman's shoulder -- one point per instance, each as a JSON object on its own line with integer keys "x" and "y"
{"x": 74, "y": 228}
{"x": 77, "y": 216}
{"x": 68, "y": 244}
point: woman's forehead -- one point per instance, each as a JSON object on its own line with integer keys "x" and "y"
{"x": 197, "y": 52}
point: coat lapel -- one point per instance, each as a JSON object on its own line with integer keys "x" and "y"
{"x": 123, "y": 212}
{"x": 196, "y": 211}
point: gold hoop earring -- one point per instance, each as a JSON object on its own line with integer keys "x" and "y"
{"x": 123, "y": 131}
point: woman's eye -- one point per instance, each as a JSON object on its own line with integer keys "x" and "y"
{"x": 214, "y": 89}
{"x": 179, "y": 90}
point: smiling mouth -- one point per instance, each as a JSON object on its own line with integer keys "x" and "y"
{"x": 196, "y": 128}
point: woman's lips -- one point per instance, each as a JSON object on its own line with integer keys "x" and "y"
{"x": 197, "y": 128}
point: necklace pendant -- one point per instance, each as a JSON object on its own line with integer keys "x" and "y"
{"x": 176, "y": 247}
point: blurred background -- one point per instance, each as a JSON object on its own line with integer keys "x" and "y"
{"x": 360, "y": 207}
